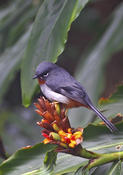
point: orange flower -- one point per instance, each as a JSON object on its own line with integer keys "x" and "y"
{"x": 57, "y": 129}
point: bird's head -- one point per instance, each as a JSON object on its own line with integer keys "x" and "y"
{"x": 43, "y": 70}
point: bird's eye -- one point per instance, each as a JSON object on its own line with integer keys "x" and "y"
{"x": 45, "y": 74}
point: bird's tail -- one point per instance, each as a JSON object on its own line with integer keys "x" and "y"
{"x": 107, "y": 122}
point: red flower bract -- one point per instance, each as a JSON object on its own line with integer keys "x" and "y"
{"x": 57, "y": 129}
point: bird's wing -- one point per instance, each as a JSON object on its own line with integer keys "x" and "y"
{"x": 75, "y": 93}
{"x": 63, "y": 83}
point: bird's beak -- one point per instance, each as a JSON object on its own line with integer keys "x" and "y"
{"x": 35, "y": 76}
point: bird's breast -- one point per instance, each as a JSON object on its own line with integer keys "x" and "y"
{"x": 53, "y": 96}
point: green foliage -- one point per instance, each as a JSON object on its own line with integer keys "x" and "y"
{"x": 14, "y": 33}
{"x": 23, "y": 160}
{"x": 115, "y": 169}
{"x": 37, "y": 31}
{"x": 30, "y": 160}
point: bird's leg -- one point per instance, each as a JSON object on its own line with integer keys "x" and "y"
{"x": 64, "y": 107}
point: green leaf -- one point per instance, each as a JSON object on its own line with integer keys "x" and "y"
{"x": 82, "y": 171}
{"x": 11, "y": 17}
{"x": 115, "y": 169}
{"x": 10, "y": 21}
{"x": 7, "y": 9}
{"x": 98, "y": 138}
{"x": 19, "y": 28}
{"x": 47, "y": 40}
{"x": 13, "y": 32}
{"x": 50, "y": 160}
{"x": 25, "y": 160}
{"x": 30, "y": 161}
{"x": 10, "y": 62}
{"x": 90, "y": 74}
{"x": 49, "y": 163}
{"x": 68, "y": 163}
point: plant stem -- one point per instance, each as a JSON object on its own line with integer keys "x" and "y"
{"x": 81, "y": 152}
{"x": 87, "y": 154}
{"x": 96, "y": 159}
{"x": 105, "y": 158}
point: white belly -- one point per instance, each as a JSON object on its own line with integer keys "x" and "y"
{"x": 53, "y": 96}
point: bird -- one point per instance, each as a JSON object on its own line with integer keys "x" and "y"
{"x": 57, "y": 85}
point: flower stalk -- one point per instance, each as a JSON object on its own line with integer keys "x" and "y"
{"x": 95, "y": 159}
{"x": 105, "y": 158}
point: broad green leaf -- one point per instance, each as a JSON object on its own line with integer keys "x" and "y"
{"x": 10, "y": 62}
{"x": 96, "y": 138}
{"x": 82, "y": 171}
{"x": 10, "y": 21}
{"x": 103, "y": 169}
{"x": 4, "y": 24}
{"x": 69, "y": 173}
{"x": 47, "y": 40}
{"x": 25, "y": 160}
{"x": 99, "y": 130}
{"x": 115, "y": 169}
{"x": 90, "y": 74}
{"x": 68, "y": 163}
{"x": 85, "y": 172}
{"x": 41, "y": 171}
{"x": 50, "y": 160}
{"x": 30, "y": 161}
{"x": 7, "y": 10}
{"x": 19, "y": 28}
{"x": 13, "y": 32}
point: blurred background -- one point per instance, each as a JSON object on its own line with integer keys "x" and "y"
{"x": 18, "y": 124}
